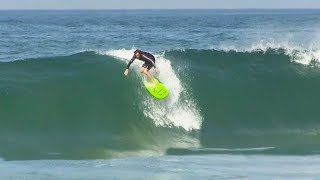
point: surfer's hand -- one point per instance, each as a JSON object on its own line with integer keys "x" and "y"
{"x": 126, "y": 72}
{"x": 157, "y": 70}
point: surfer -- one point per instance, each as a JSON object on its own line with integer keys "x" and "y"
{"x": 149, "y": 62}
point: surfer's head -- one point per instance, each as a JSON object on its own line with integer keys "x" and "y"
{"x": 137, "y": 53}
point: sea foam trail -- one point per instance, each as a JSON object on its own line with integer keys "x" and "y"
{"x": 179, "y": 109}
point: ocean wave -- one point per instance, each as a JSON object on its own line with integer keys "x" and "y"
{"x": 83, "y": 101}
{"x": 220, "y": 99}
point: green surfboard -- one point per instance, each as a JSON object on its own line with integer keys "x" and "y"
{"x": 159, "y": 91}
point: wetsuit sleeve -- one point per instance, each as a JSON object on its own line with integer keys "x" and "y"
{"x": 131, "y": 61}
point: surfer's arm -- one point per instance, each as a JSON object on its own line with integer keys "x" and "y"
{"x": 157, "y": 70}
{"x": 131, "y": 61}
{"x": 155, "y": 67}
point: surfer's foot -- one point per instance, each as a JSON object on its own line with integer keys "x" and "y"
{"x": 154, "y": 85}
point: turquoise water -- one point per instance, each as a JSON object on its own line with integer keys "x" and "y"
{"x": 243, "y": 86}
{"x": 168, "y": 167}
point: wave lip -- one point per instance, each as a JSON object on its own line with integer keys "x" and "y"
{"x": 297, "y": 53}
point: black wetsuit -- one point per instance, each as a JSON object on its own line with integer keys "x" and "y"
{"x": 147, "y": 58}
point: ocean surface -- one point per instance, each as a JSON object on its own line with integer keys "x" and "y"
{"x": 243, "y": 104}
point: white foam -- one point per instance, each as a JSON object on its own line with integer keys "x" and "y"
{"x": 178, "y": 109}
{"x": 306, "y": 57}
{"x": 297, "y": 53}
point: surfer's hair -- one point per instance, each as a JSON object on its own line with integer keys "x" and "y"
{"x": 137, "y": 51}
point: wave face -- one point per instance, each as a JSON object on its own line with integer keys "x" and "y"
{"x": 81, "y": 106}
{"x": 258, "y": 98}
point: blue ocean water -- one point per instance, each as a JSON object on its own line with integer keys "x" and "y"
{"x": 28, "y": 34}
{"x": 168, "y": 167}
{"x": 243, "y": 101}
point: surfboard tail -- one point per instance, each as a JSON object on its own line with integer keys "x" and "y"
{"x": 158, "y": 91}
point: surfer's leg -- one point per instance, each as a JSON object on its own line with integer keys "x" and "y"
{"x": 142, "y": 69}
{"x": 149, "y": 75}
{"x": 145, "y": 70}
